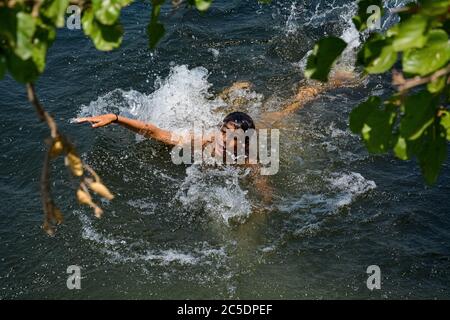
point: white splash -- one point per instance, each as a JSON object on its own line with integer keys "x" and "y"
{"x": 216, "y": 191}
{"x": 350, "y": 35}
{"x": 291, "y": 26}
{"x": 215, "y": 53}
{"x": 180, "y": 100}
{"x": 349, "y": 186}
{"x": 343, "y": 189}
{"x": 122, "y": 250}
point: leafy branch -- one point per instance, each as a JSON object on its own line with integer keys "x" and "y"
{"x": 59, "y": 145}
{"x": 27, "y": 31}
{"x": 414, "y": 122}
{"x": 403, "y": 84}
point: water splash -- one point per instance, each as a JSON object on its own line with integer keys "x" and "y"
{"x": 292, "y": 26}
{"x": 341, "y": 14}
{"x": 341, "y": 189}
{"x": 181, "y": 99}
{"x": 344, "y": 13}
{"x": 122, "y": 250}
{"x": 217, "y": 192}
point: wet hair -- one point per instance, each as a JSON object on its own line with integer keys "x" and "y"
{"x": 240, "y": 120}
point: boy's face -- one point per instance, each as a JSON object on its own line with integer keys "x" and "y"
{"x": 229, "y": 127}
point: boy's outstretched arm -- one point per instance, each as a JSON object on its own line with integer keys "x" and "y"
{"x": 307, "y": 93}
{"x": 146, "y": 129}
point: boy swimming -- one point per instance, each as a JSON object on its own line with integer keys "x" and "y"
{"x": 219, "y": 142}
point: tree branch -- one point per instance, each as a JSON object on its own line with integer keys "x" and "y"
{"x": 47, "y": 202}
{"x": 43, "y": 115}
{"x": 405, "y": 84}
{"x": 412, "y": 9}
{"x": 36, "y": 7}
{"x": 57, "y": 145}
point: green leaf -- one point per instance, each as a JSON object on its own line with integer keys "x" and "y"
{"x": 104, "y": 37}
{"x": 43, "y": 39}
{"x": 155, "y": 29}
{"x": 431, "y": 152}
{"x": 360, "y": 20}
{"x": 359, "y": 115}
{"x": 22, "y": 70}
{"x": 392, "y": 31}
{"x": 107, "y": 12}
{"x": 419, "y": 115}
{"x": 374, "y": 124}
{"x": 401, "y": 149}
{"x": 377, "y": 130}
{"x": 430, "y": 58}
{"x": 436, "y": 85}
{"x": 203, "y": 5}
{"x": 55, "y": 10}
{"x": 26, "y": 26}
{"x": 2, "y": 66}
{"x": 39, "y": 54}
{"x": 377, "y": 55}
{"x": 445, "y": 123}
{"x": 383, "y": 62}
{"x": 410, "y": 33}
{"x": 446, "y": 26}
{"x": 8, "y": 25}
{"x": 155, "y": 33}
{"x": 324, "y": 54}
{"x": 434, "y": 7}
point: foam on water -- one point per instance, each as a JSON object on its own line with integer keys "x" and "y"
{"x": 120, "y": 250}
{"x": 179, "y": 100}
{"x": 342, "y": 188}
{"x": 352, "y": 37}
{"x": 216, "y": 191}
{"x": 326, "y": 9}
{"x": 349, "y": 186}
{"x": 292, "y": 26}
{"x": 322, "y": 12}
{"x": 215, "y": 53}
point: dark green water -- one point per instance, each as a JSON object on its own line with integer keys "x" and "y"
{"x": 336, "y": 209}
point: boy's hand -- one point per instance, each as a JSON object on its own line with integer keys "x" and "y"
{"x": 99, "y": 121}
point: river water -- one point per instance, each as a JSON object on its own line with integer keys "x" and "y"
{"x": 167, "y": 234}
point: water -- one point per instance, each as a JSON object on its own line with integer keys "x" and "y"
{"x": 183, "y": 232}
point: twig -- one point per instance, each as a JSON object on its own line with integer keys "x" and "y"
{"x": 36, "y": 7}
{"x": 47, "y": 202}
{"x": 406, "y": 84}
{"x": 43, "y": 115}
{"x": 413, "y": 9}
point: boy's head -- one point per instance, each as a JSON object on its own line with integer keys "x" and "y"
{"x": 238, "y": 120}
{"x": 231, "y": 126}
